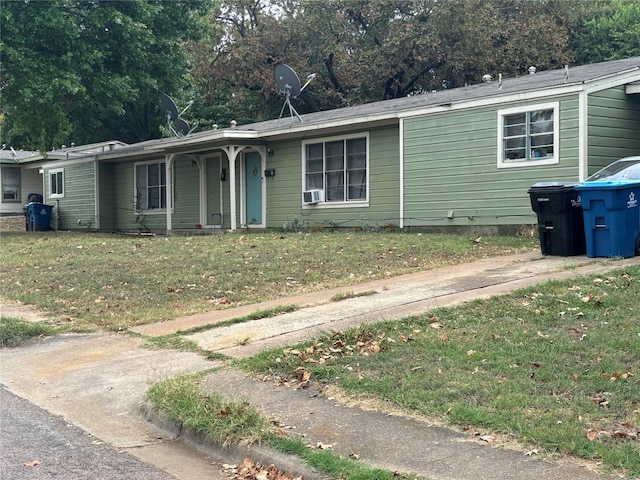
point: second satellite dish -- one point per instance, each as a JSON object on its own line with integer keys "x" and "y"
{"x": 178, "y": 126}
{"x": 288, "y": 82}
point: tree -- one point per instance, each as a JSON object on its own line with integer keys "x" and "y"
{"x": 365, "y": 50}
{"x": 609, "y": 32}
{"x": 80, "y": 71}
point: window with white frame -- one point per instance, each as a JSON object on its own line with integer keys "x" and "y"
{"x": 56, "y": 183}
{"x": 338, "y": 167}
{"x": 528, "y": 136}
{"x": 10, "y": 184}
{"x": 151, "y": 185}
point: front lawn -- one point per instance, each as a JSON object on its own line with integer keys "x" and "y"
{"x": 104, "y": 281}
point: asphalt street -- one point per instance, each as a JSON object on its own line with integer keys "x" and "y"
{"x": 35, "y": 445}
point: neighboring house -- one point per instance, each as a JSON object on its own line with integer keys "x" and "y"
{"x": 17, "y": 180}
{"x": 23, "y": 173}
{"x": 463, "y": 157}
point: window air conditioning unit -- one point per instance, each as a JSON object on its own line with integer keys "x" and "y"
{"x": 313, "y": 196}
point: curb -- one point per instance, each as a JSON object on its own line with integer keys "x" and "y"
{"x": 235, "y": 454}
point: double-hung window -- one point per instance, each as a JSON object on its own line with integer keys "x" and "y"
{"x": 10, "y": 184}
{"x": 56, "y": 183}
{"x": 151, "y": 186}
{"x": 338, "y": 167}
{"x": 528, "y": 136}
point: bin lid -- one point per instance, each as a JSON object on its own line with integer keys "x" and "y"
{"x": 608, "y": 184}
{"x": 553, "y": 186}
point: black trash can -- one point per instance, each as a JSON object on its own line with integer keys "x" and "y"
{"x": 560, "y": 218}
{"x": 38, "y": 217}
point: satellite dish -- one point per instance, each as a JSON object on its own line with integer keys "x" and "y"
{"x": 168, "y": 107}
{"x": 182, "y": 127}
{"x": 288, "y": 82}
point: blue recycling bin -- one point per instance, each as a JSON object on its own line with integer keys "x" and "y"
{"x": 611, "y": 217}
{"x": 38, "y": 216}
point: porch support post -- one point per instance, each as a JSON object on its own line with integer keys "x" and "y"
{"x": 232, "y": 154}
{"x": 583, "y": 136}
{"x": 168, "y": 159}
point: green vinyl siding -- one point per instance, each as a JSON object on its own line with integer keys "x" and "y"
{"x": 450, "y": 169}
{"x": 284, "y": 190}
{"x": 124, "y": 203}
{"x": 614, "y": 123}
{"x": 78, "y": 201}
{"x": 186, "y": 211}
{"x": 107, "y": 182}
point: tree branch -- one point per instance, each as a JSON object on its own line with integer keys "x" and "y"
{"x": 332, "y": 76}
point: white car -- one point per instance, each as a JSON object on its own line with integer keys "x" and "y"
{"x": 627, "y": 168}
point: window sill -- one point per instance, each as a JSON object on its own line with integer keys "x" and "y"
{"x": 154, "y": 211}
{"x": 331, "y": 205}
{"x": 528, "y": 163}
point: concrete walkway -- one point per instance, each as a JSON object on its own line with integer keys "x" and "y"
{"x": 98, "y": 381}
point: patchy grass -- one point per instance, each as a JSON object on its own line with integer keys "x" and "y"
{"x": 238, "y": 423}
{"x": 555, "y": 367}
{"x": 225, "y": 421}
{"x": 332, "y": 464}
{"x": 14, "y": 331}
{"x": 338, "y": 297}
{"x": 257, "y": 315}
{"x": 113, "y": 282}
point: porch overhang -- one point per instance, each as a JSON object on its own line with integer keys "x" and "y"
{"x": 632, "y": 88}
{"x": 232, "y": 146}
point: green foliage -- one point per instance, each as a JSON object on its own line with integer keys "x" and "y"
{"x": 77, "y": 71}
{"x": 610, "y": 33}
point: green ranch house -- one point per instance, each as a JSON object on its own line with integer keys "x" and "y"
{"x": 458, "y": 158}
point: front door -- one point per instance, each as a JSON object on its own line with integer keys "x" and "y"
{"x": 253, "y": 188}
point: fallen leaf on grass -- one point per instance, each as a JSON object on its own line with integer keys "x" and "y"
{"x": 600, "y": 401}
{"x": 592, "y": 434}
{"x": 622, "y": 435}
{"x": 303, "y": 376}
